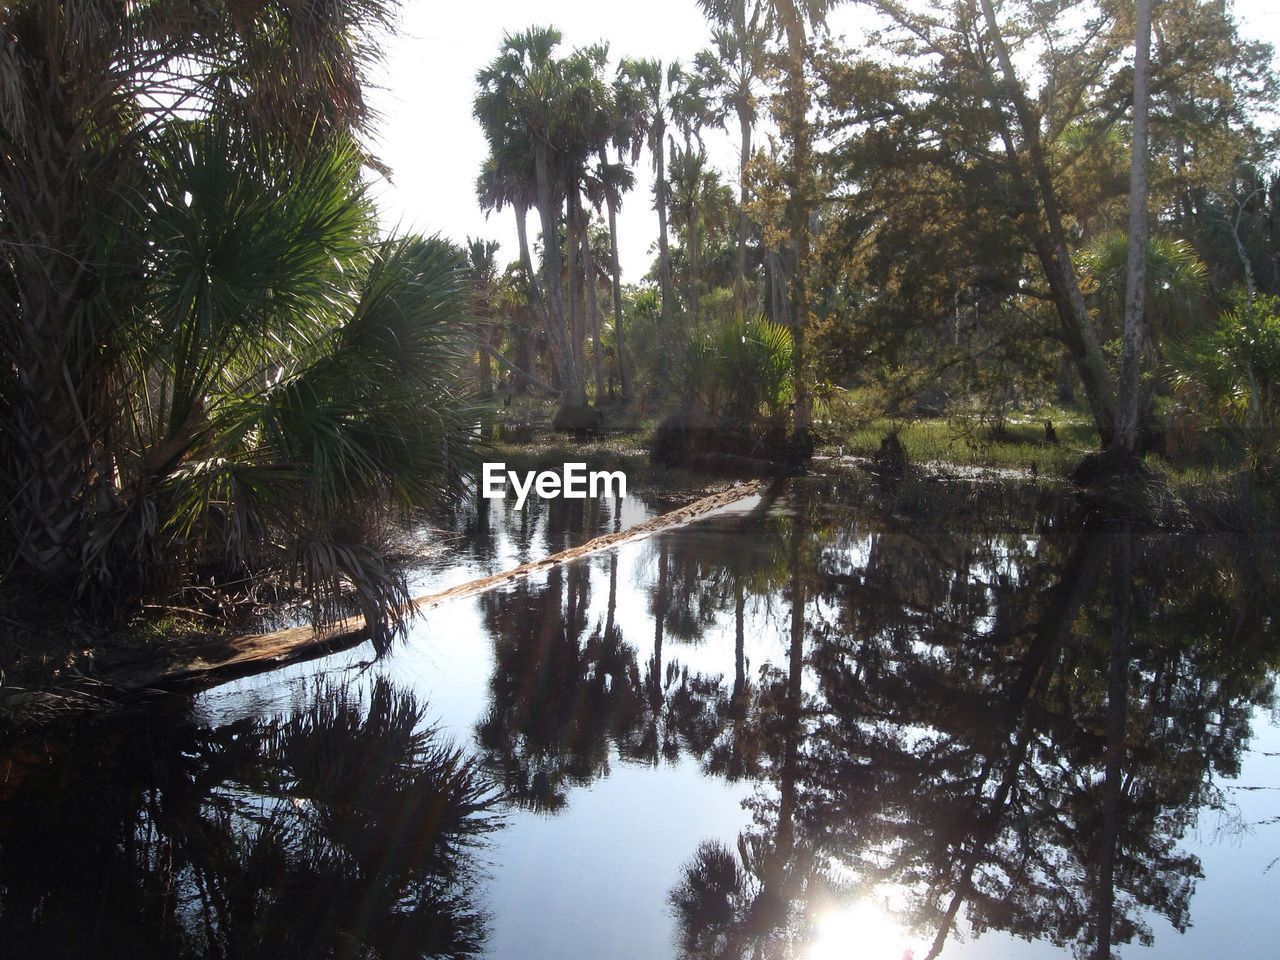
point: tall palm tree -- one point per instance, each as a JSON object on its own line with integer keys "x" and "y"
{"x": 615, "y": 179}
{"x": 627, "y": 138}
{"x": 698, "y": 202}
{"x": 655, "y": 85}
{"x": 734, "y": 71}
{"x": 587, "y": 123}
{"x": 482, "y": 269}
{"x": 520, "y": 104}
{"x": 507, "y": 179}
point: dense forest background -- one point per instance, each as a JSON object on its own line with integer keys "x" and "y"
{"x": 937, "y": 221}
{"x": 1032, "y": 231}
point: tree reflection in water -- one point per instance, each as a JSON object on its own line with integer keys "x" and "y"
{"x": 995, "y": 719}
{"x": 341, "y": 830}
{"x": 951, "y": 713}
{"x": 1012, "y": 733}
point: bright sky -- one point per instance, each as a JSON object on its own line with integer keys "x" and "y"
{"x": 434, "y": 148}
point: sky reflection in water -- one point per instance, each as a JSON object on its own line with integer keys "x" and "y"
{"x": 841, "y": 717}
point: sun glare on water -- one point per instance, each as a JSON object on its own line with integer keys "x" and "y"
{"x": 860, "y": 931}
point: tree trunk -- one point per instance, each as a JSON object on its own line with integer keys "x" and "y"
{"x": 593, "y": 307}
{"x": 526, "y": 262}
{"x": 571, "y": 385}
{"x": 740, "y": 279}
{"x": 49, "y": 453}
{"x": 1127, "y": 398}
{"x": 624, "y": 373}
{"x": 664, "y": 248}
{"x": 694, "y": 246}
{"x": 573, "y": 279}
{"x": 777, "y": 310}
{"x": 483, "y": 369}
{"x": 536, "y": 304}
{"x": 797, "y": 100}
{"x": 1050, "y": 243}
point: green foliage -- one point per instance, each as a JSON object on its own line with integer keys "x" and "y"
{"x": 952, "y": 178}
{"x": 736, "y": 374}
{"x": 1230, "y": 374}
{"x": 281, "y": 375}
{"x": 1176, "y": 281}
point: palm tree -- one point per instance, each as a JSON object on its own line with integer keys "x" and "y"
{"x": 693, "y": 108}
{"x": 270, "y": 379}
{"x": 698, "y": 202}
{"x": 283, "y": 378}
{"x": 627, "y": 137}
{"x": 1176, "y": 282}
{"x": 655, "y": 87}
{"x": 587, "y": 123}
{"x": 521, "y": 105}
{"x": 507, "y": 179}
{"x": 87, "y": 89}
{"x": 735, "y": 71}
{"x": 482, "y": 267}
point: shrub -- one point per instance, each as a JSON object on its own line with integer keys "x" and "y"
{"x": 1231, "y": 373}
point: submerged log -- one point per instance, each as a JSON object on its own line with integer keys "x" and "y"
{"x": 198, "y": 664}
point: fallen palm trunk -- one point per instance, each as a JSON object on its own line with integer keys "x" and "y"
{"x": 207, "y": 662}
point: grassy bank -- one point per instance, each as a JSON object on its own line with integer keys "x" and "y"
{"x": 1020, "y": 446}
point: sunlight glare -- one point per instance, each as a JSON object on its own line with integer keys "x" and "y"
{"x": 861, "y": 929}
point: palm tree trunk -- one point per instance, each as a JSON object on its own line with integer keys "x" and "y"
{"x": 49, "y": 461}
{"x": 1127, "y": 399}
{"x": 526, "y": 263}
{"x": 740, "y": 280}
{"x": 573, "y": 392}
{"x": 593, "y": 306}
{"x": 695, "y": 268}
{"x": 484, "y": 371}
{"x": 536, "y": 305}
{"x": 624, "y": 372}
{"x": 48, "y": 450}
{"x": 797, "y": 99}
{"x": 664, "y": 248}
{"x": 573, "y": 278}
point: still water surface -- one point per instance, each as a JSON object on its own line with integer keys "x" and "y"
{"x": 836, "y": 721}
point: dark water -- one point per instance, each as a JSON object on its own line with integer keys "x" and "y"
{"x": 835, "y": 722}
